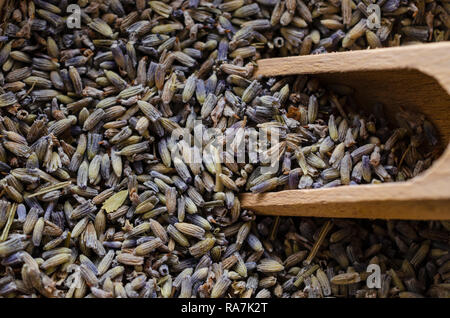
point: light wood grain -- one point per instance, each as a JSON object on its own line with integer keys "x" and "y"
{"x": 414, "y": 77}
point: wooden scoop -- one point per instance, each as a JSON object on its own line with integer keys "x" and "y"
{"x": 414, "y": 77}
